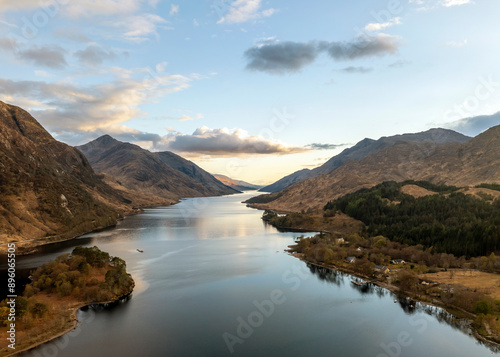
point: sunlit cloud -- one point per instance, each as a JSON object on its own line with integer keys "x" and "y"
{"x": 223, "y": 142}
{"x": 241, "y": 11}
{"x": 377, "y": 26}
{"x": 67, "y": 107}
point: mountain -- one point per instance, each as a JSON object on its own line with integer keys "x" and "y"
{"x": 287, "y": 181}
{"x": 192, "y": 170}
{"x": 160, "y": 174}
{"x": 470, "y": 163}
{"x": 364, "y": 148}
{"x": 237, "y": 184}
{"x": 47, "y": 188}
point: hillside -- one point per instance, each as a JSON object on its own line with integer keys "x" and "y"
{"x": 365, "y": 148}
{"x": 237, "y": 184}
{"x": 47, "y": 188}
{"x": 160, "y": 174}
{"x": 474, "y": 162}
{"x": 447, "y": 220}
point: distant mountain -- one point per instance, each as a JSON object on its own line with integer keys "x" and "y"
{"x": 209, "y": 182}
{"x": 160, "y": 174}
{"x": 364, "y": 148}
{"x": 287, "y": 181}
{"x": 237, "y": 184}
{"x": 470, "y": 163}
{"x": 47, "y": 188}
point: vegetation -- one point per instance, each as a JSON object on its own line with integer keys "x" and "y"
{"x": 453, "y": 222}
{"x": 490, "y": 186}
{"x": 85, "y": 276}
{"x": 407, "y": 241}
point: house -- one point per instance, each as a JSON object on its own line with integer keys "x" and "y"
{"x": 398, "y": 261}
{"x": 340, "y": 240}
{"x": 359, "y": 249}
{"x": 350, "y": 260}
{"x": 381, "y": 269}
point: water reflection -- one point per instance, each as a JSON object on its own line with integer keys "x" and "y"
{"x": 408, "y": 305}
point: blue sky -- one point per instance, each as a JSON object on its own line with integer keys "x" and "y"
{"x": 251, "y": 89}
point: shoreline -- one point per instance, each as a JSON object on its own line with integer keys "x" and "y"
{"x": 40, "y": 242}
{"x": 72, "y": 323}
{"x": 395, "y": 290}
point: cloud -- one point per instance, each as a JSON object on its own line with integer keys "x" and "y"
{"x": 72, "y": 34}
{"x": 223, "y": 142}
{"x": 281, "y": 57}
{"x": 449, "y": 3}
{"x": 288, "y": 57}
{"x": 318, "y": 146}
{"x": 51, "y": 56}
{"x": 475, "y": 125}
{"x": 174, "y": 10}
{"x": 377, "y": 26}
{"x": 363, "y": 46}
{"x": 352, "y": 69}
{"x": 94, "y": 55}
{"x": 3, "y": 22}
{"x": 425, "y": 5}
{"x": 140, "y": 27}
{"x": 70, "y": 108}
{"x": 398, "y": 64}
{"x": 76, "y": 9}
{"x": 244, "y": 10}
{"x": 8, "y": 44}
{"x": 188, "y": 117}
{"x": 456, "y": 44}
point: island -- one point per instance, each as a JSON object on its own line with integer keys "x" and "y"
{"x": 47, "y": 309}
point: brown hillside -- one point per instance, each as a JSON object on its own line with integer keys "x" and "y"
{"x": 47, "y": 187}
{"x": 474, "y": 162}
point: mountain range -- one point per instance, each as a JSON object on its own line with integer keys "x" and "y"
{"x": 237, "y": 184}
{"x": 439, "y": 156}
{"x": 162, "y": 174}
{"x": 50, "y": 191}
{"x": 364, "y": 148}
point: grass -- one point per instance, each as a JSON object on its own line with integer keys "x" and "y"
{"x": 487, "y": 283}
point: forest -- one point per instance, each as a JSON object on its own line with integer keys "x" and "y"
{"x": 447, "y": 222}
{"x": 86, "y": 275}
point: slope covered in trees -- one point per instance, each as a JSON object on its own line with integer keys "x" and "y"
{"x": 450, "y": 222}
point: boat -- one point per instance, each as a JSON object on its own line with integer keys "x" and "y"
{"x": 358, "y": 283}
{"x": 140, "y": 250}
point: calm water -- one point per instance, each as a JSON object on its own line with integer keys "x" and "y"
{"x": 214, "y": 281}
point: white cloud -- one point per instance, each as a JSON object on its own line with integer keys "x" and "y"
{"x": 377, "y": 26}
{"x": 76, "y": 9}
{"x": 425, "y": 5}
{"x": 456, "y": 44}
{"x": 449, "y": 3}
{"x": 245, "y": 10}
{"x": 139, "y": 28}
{"x": 174, "y": 10}
{"x": 160, "y": 67}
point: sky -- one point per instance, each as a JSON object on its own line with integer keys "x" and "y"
{"x": 251, "y": 89}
